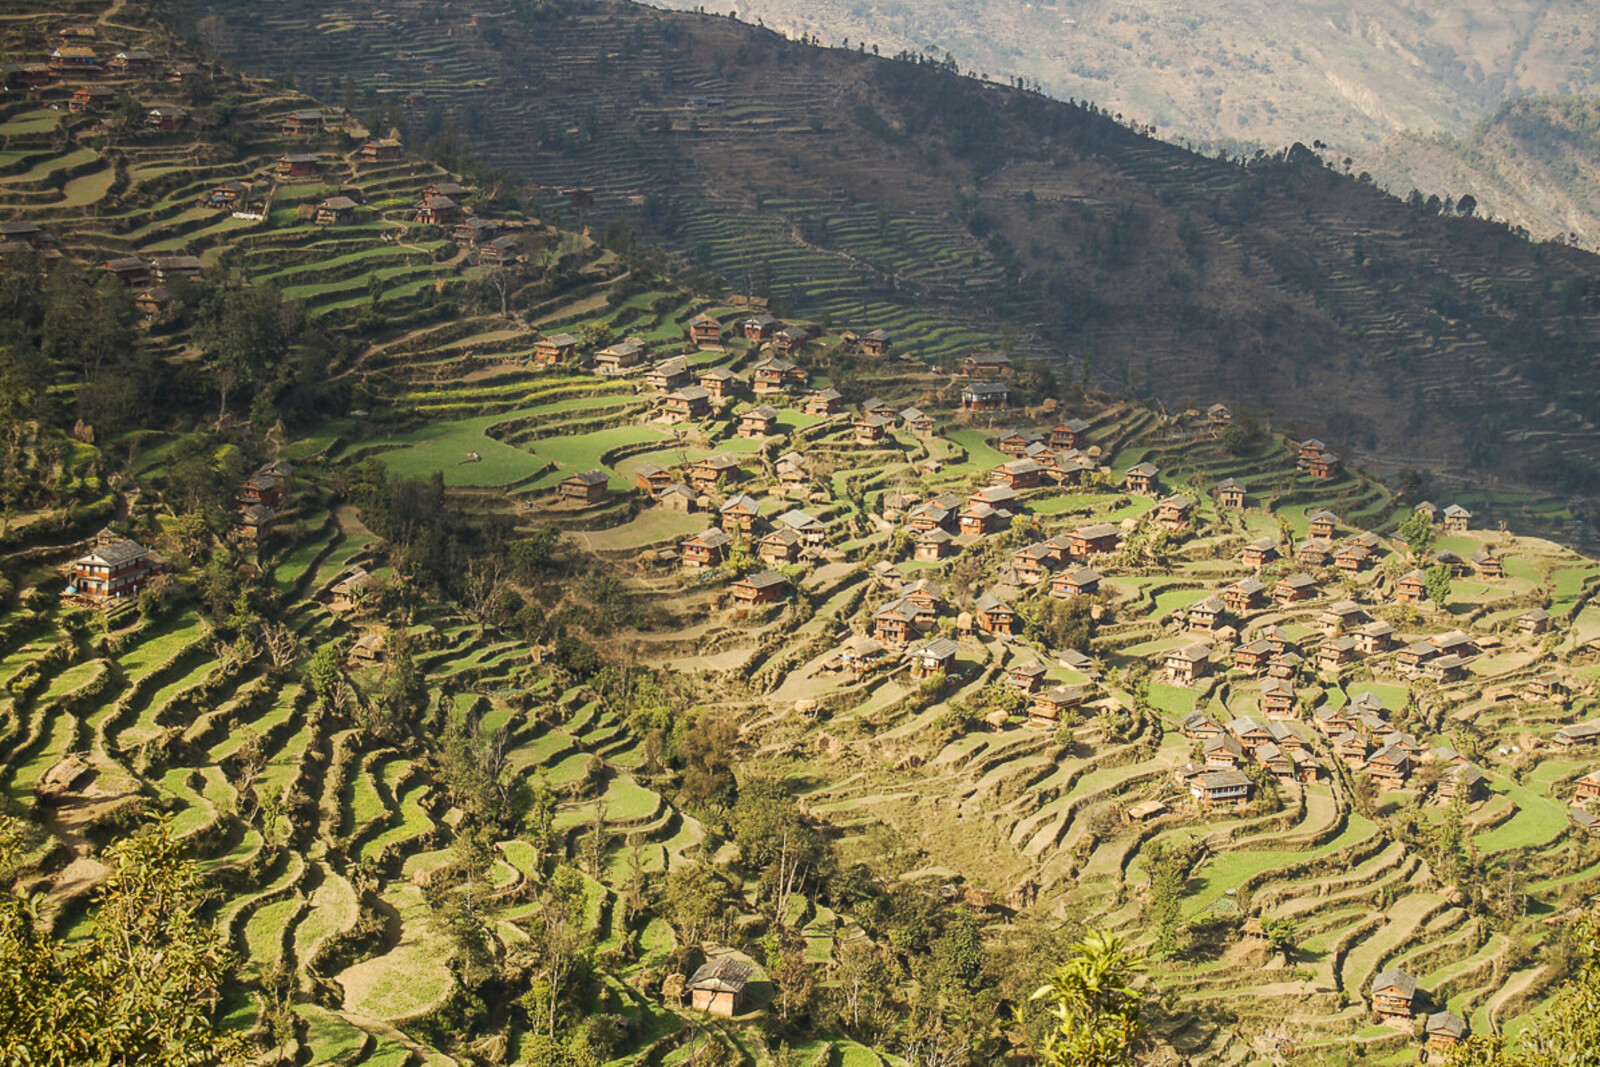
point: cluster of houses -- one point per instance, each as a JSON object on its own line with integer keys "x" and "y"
{"x": 1398, "y": 998}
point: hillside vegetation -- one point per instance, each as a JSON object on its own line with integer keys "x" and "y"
{"x": 825, "y": 178}
{"x": 427, "y": 741}
{"x": 1378, "y": 82}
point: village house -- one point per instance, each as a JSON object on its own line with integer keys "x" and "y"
{"x": 76, "y": 60}
{"x": 709, "y": 548}
{"x": 930, "y": 546}
{"x": 791, "y": 339}
{"x": 1488, "y": 565}
{"x": 1015, "y": 443}
{"x": 1275, "y": 761}
{"x": 1244, "y": 596}
{"x": 438, "y": 210}
{"x": 895, "y": 622}
{"x": 719, "y": 383}
{"x": 1586, "y": 821}
{"x": 304, "y": 123}
{"x": 622, "y": 356}
{"x": 652, "y": 478}
{"x": 1248, "y": 732}
{"x": 1216, "y": 788}
{"x": 996, "y": 496}
{"x": 935, "y": 657}
{"x": 1583, "y": 733}
{"x": 686, "y": 405}
{"x": 995, "y": 616}
{"x": 1394, "y": 994}
{"x": 759, "y": 327}
{"x": 1080, "y": 581}
{"x": 929, "y": 516}
{"x": 668, "y": 374}
{"x": 984, "y": 396}
{"x": 985, "y": 364}
{"x": 1587, "y": 788}
{"x": 335, "y": 211}
{"x": 1172, "y": 512}
{"x": 1293, "y": 588}
{"x": 383, "y": 149}
{"x": 1536, "y": 621}
{"x": 1352, "y": 747}
{"x": 1544, "y": 687}
{"x": 862, "y": 655}
{"x": 717, "y": 988}
{"x": 1026, "y": 677}
{"x": 555, "y": 349}
{"x": 1391, "y": 765}
{"x": 678, "y": 497}
{"x": 820, "y": 403}
{"x": 129, "y": 270}
{"x": 1444, "y": 1030}
{"x": 1188, "y": 664}
{"x": 1410, "y": 588}
{"x": 1230, "y": 493}
{"x": 871, "y": 429}
{"x": 755, "y": 590}
{"x": 25, "y": 77}
{"x": 1096, "y": 539}
{"x": 474, "y": 230}
{"x": 759, "y": 422}
{"x": 150, "y": 303}
{"x": 1323, "y": 466}
{"x": 1142, "y": 478}
{"x": 1019, "y": 474}
{"x": 875, "y": 343}
{"x": 1047, "y": 708}
{"x": 781, "y": 546}
{"x": 1336, "y": 652}
{"x": 113, "y": 571}
{"x": 1342, "y": 616}
{"x": 1373, "y": 638}
{"x": 1457, "y": 519}
{"x": 1352, "y": 559}
{"x": 1445, "y": 669}
{"x": 167, "y": 268}
{"x": 775, "y": 375}
{"x": 1198, "y": 727}
{"x": 1323, "y": 524}
{"x": 1277, "y": 698}
{"x": 1410, "y": 657}
{"x": 87, "y": 98}
{"x": 261, "y": 487}
{"x": 916, "y": 423}
{"x": 1314, "y": 552}
{"x": 1070, "y": 434}
{"x": 1259, "y": 553}
{"x": 1222, "y": 753}
{"x": 1030, "y": 563}
{"x": 1219, "y": 415}
{"x": 588, "y": 487}
{"x": 1331, "y": 722}
{"x": 1310, "y": 450}
{"x": 1252, "y": 656}
{"x": 793, "y": 471}
{"x": 1461, "y": 781}
{"x": 705, "y": 331}
{"x": 298, "y": 166}
{"x": 740, "y": 513}
{"x": 348, "y": 592}
{"x": 256, "y": 522}
{"x": 1205, "y": 614}
{"x": 368, "y": 649}
{"x": 980, "y": 520}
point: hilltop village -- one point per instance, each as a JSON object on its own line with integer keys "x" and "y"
{"x": 479, "y": 645}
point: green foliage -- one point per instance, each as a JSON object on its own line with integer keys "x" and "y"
{"x": 324, "y": 670}
{"x": 1436, "y": 583}
{"x": 1418, "y": 534}
{"x": 1169, "y": 862}
{"x": 94, "y": 1001}
{"x": 1094, "y": 1004}
{"x": 1060, "y": 624}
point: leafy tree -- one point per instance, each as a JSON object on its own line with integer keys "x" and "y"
{"x": 1236, "y": 439}
{"x": 1095, "y": 1005}
{"x": 1436, "y": 583}
{"x": 141, "y": 987}
{"x": 705, "y": 748}
{"x": 324, "y": 670}
{"x": 1417, "y": 533}
{"x": 1282, "y": 936}
{"x": 1168, "y": 864}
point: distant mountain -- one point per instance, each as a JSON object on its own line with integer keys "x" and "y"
{"x": 863, "y": 189}
{"x": 1375, "y": 80}
{"x": 1535, "y": 162}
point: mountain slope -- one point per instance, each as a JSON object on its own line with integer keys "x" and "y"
{"x": 828, "y": 178}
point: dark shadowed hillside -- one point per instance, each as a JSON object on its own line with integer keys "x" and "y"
{"x": 844, "y": 184}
